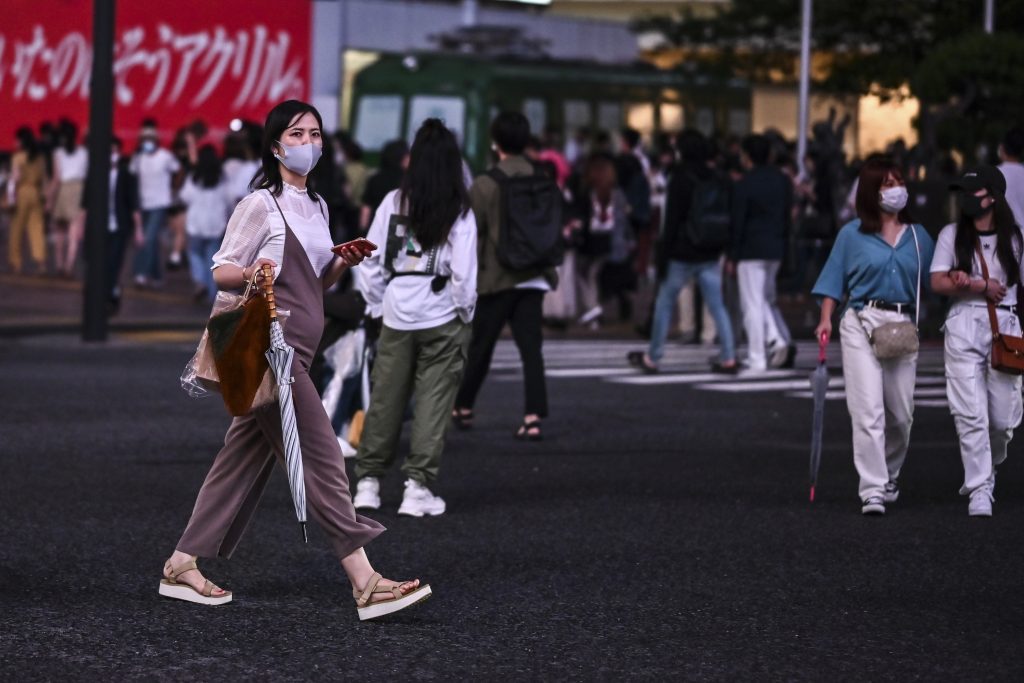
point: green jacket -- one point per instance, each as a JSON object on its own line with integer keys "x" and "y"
{"x": 485, "y": 198}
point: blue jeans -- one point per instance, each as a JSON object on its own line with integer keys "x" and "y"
{"x": 200, "y": 258}
{"x": 147, "y": 260}
{"x": 709, "y": 279}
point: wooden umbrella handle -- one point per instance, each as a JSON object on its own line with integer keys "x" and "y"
{"x": 268, "y": 290}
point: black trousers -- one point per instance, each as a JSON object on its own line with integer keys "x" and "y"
{"x": 522, "y": 310}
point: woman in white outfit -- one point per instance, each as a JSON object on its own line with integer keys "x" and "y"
{"x": 986, "y": 403}
{"x": 878, "y": 261}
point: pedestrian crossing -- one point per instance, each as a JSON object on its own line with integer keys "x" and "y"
{"x": 687, "y": 365}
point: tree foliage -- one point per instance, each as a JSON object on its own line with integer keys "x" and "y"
{"x": 872, "y": 46}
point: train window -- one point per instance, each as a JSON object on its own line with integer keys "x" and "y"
{"x": 706, "y": 121}
{"x": 378, "y": 121}
{"x": 671, "y": 117}
{"x": 536, "y": 112}
{"x": 609, "y": 116}
{"x": 451, "y": 110}
{"x": 577, "y": 115}
{"x": 739, "y": 121}
{"x": 640, "y": 116}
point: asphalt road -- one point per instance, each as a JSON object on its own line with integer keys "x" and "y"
{"x": 661, "y": 531}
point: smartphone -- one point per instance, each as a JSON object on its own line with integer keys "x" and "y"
{"x": 362, "y": 244}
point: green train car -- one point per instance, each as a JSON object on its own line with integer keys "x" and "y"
{"x": 392, "y": 96}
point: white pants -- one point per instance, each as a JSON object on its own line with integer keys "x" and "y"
{"x": 880, "y": 398}
{"x": 762, "y": 319}
{"x": 985, "y": 403}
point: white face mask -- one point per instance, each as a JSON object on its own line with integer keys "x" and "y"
{"x": 893, "y": 199}
{"x": 148, "y": 146}
{"x": 300, "y": 159}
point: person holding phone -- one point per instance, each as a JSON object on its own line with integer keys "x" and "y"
{"x": 423, "y": 283}
{"x": 283, "y": 224}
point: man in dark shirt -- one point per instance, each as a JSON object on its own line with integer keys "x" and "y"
{"x": 762, "y": 202}
{"x": 680, "y": 259}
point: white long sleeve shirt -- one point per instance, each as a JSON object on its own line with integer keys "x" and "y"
{"x": 408, "y": 302}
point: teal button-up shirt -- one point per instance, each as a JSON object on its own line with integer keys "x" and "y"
{"x": 866, "y": 267}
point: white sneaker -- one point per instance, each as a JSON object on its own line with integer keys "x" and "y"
{"x": 981, "y": 503}
{"x": 891, "y": 492}
{"x": 419, "y": 501}
{"x": 873, "y": 506}
{"x": 592, "y": 315}
{"x": 777, "y": 352}
{"x": 367, "y": 494}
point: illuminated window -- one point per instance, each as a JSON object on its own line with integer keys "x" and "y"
{"x": 378, "y": 121}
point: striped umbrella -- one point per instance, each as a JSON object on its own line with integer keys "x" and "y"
{"x": 280, "y": 356}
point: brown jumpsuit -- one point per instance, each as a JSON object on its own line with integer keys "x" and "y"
{"x": 232, "y": 490}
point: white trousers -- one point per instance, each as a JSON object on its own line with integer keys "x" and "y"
{"x": 762, "y": 319}
{"x": 880, "y": 398}
{"x": 985, "y": 403}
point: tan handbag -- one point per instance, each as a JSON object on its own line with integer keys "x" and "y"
{"x": 1007, "y": 350}
{"x": 895, "y": 340}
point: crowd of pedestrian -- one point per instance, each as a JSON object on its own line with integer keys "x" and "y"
{"x": 681, "y": 230}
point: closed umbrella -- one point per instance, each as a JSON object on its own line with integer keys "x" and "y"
{"x": 819, "y": 387}
{"x": 280, "y": 356}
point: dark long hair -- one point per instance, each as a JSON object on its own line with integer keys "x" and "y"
{"x": 208, "y": 170}
{"x": 1008, "y": 241}
{"x": 434, "y": 187}
{"x": 67, "y": 133}
{"x": 28, "y": 141}
{"x": 280, "y": 118}
{"x": 869, "y": 184}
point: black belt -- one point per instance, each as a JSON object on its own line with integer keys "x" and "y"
{"x": 887, "y": 306}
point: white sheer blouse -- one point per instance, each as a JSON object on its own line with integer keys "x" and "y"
{"x": 256, "y": 230}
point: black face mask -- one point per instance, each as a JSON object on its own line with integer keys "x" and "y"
{"x": 971, "y": 206}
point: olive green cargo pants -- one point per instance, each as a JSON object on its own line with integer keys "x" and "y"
{"x": 427, "y": 365}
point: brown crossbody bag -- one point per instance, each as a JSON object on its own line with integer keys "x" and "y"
{"x": 1007, "y": 350}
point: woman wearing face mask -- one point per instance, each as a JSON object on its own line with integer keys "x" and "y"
{"x": 986, "y": 403}
{"x": 876, "y": 264}
{"x": 283, "y": 224}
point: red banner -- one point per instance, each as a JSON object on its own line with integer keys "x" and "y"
{"x": 174, "y": 61}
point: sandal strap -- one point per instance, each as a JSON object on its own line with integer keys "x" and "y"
{"x": 207, "y": 588}
{"x": 363, "y": 598}
{"x": 175, "y": 572}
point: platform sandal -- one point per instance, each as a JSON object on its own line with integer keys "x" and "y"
{"x": 463, "y": 418}
{"x": 170, "y": 587}
{"x": 529, "y": 431}
{"x": 369, "y": 609}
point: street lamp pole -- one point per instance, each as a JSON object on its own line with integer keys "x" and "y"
{"x": 101, "y": 123}
{"x": 805, "y": 84}
{"x": 469, "y": 8}
{"x": 990, "y": 16}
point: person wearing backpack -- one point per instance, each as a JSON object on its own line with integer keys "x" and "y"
{"x": 762, "y": 201}
{"x": 519, "y": 242}
{"x": 422, "y": 281}
{"x": 694, "y": 234}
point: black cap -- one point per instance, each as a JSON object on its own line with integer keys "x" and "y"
{"x": 982, "y": 178}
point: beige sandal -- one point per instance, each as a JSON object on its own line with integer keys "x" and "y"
{"x": 397, "y": 601}
{"x": 171, "y": 588}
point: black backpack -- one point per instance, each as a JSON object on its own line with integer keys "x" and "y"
{"x": 530, "y": 233}
{"x": 708, "y": 223}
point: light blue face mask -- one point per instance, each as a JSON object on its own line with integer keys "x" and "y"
{"x": 299, "y": 159}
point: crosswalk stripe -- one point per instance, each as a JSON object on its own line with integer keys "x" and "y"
{"x": 691, "y": 378}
